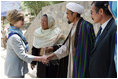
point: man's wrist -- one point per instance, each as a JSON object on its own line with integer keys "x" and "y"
{"x": 51, "y": 56}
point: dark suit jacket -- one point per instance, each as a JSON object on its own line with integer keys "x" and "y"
{"x": 102, "y": 57}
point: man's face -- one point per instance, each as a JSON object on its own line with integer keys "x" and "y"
{"x": 70, "y": 16}
{"x": 96, "y": 17}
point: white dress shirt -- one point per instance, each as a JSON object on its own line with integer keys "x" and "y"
{"x": 104, "y": 25}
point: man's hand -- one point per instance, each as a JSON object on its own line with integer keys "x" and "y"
{"x": 44, "y": 59}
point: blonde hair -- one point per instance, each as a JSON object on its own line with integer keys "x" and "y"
{"x": 13, "y": 16}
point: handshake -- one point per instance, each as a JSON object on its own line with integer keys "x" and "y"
{"x": 44, "y": 58}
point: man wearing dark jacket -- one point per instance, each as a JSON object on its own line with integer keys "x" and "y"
{"x": 102, "y": 57}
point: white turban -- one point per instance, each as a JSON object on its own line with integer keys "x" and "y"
{"x": 74, "y": 7}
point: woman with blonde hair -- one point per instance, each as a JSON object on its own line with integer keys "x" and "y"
{"x": 17, "y": 46}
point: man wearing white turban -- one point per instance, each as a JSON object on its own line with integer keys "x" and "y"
{"x": 78, "y": 44}
{"x": 74, "y": 7}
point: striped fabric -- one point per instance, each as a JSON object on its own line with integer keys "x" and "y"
{"x": 85, "y": 38}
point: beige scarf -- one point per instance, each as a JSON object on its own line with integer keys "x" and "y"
{"x": 45, "y": 38}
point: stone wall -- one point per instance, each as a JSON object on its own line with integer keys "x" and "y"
{"x": 58, "y": 11}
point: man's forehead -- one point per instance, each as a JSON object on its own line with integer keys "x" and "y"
{"x": 92, "y": 6}
{"x": 68, "y": 10}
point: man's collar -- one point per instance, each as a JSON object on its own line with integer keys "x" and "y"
{"x": 105, "y": 24}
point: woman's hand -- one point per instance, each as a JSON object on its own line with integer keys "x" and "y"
{"x": 44, "y": 59}
{"x": 48, "y": 49}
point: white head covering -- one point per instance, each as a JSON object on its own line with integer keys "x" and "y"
{"x": 48, "y": 37}
{"x": 51, "y": 21}
{"x": 74, "y": 7}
